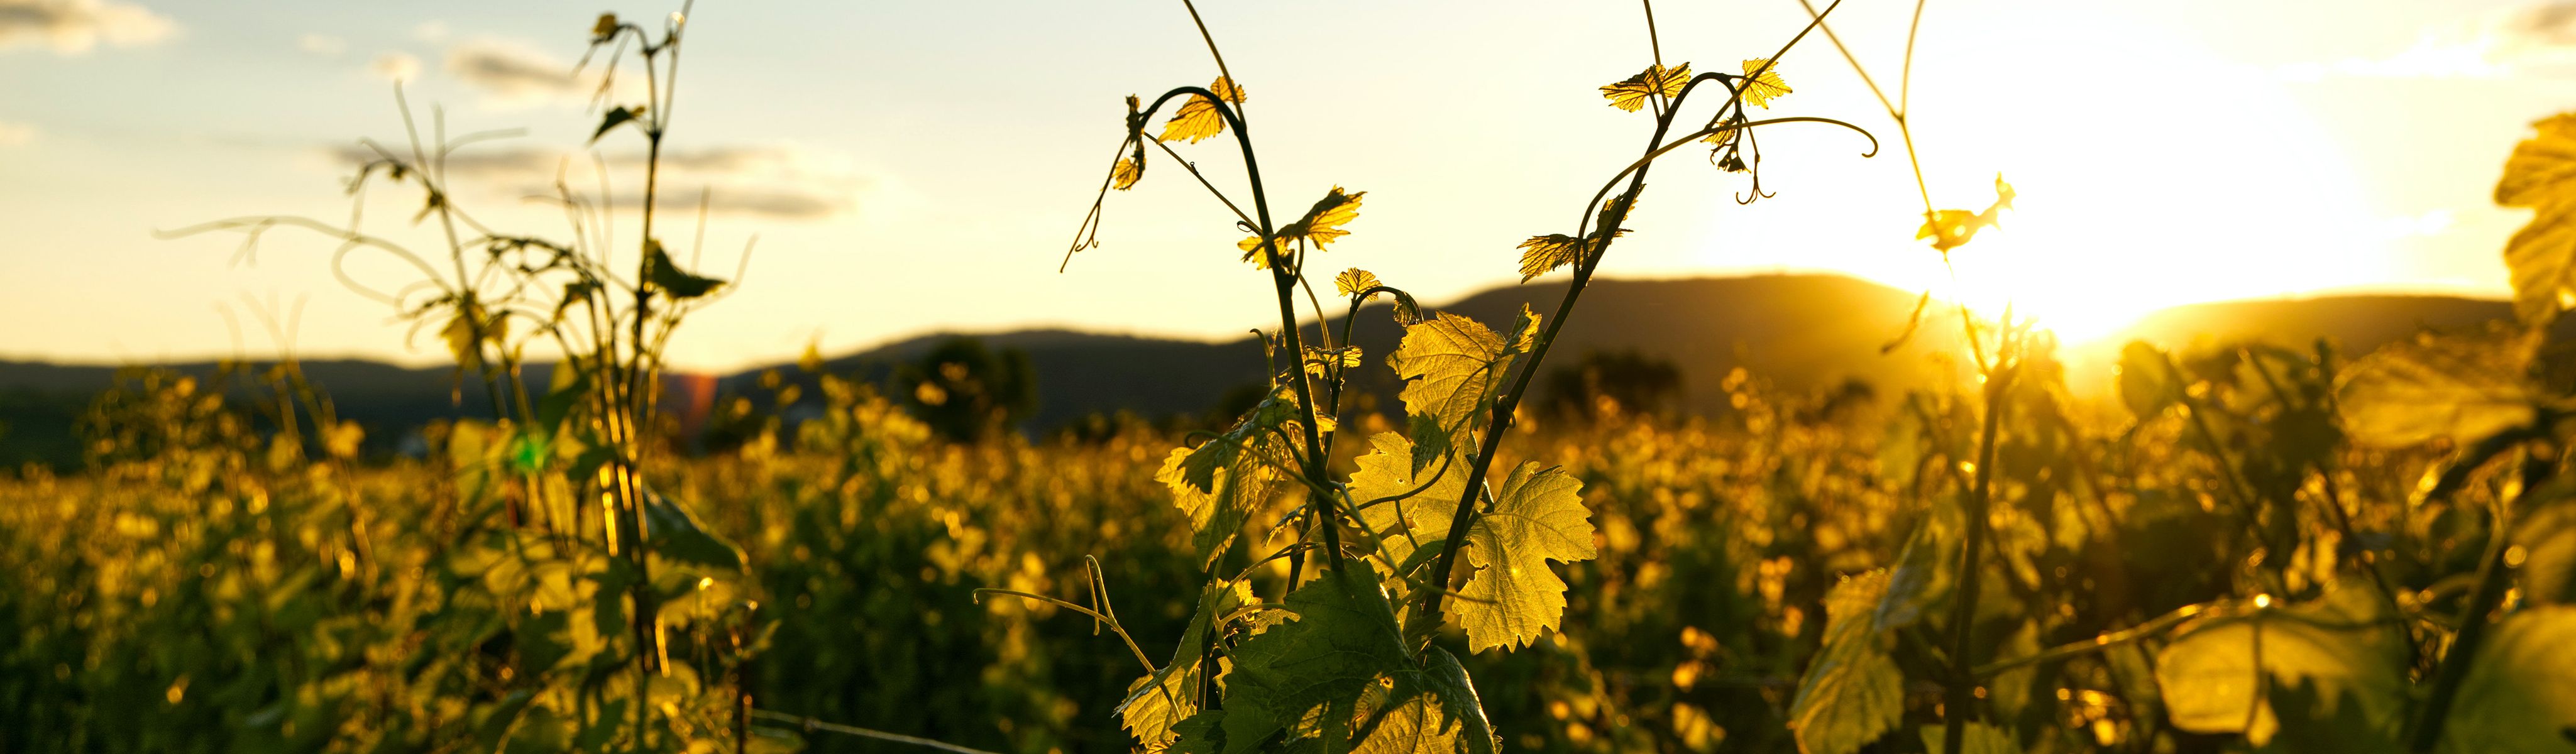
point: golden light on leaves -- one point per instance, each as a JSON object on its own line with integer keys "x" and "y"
{"x": 1541, "y": 255}
{"x": 2541, "y": 174}
{"x": 1321, "y": 225}
{"x": 1354, "y": 280}
{"x": 1760, "y": 89}
{"x": 1953, "y": 228}
{"x": 1631, "y": 93}
{"x": 1128, "y": 171}
{"x": 1198, "y": 118}
{"x": 1513, "y": 597}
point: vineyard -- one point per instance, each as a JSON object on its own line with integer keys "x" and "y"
{"x": 2238, "y": 546}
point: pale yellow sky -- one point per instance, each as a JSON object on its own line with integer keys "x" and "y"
{"x": 918, "y": 167}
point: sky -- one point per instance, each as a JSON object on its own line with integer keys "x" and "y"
{"x": 903, "y": 168}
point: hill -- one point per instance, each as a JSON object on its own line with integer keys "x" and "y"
{"x": 1804, "y": 332}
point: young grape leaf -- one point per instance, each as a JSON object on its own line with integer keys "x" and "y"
{"x": 1321, "y": 225}
{"x": 616, "y": 117}
{"x": 1632, "y": 93}
{"x": 1541, "y": 255}
{"x": 1953, "y": 228}
{"x": 1198, "y": 118}
{"x": 2520, "y": 693}
{"x": 1128, "y": 171}
{"x": 1921, "y": 577}
{"x": 2465, "y": 387}
{"x": 1512, "y": 597}
{"x": 2541, "y": 257}
{"x": 661, "y": 273}
{"x": 1160, "y": 700}
{"x": 1760, "y": 89}
{"x": 1980, "y": 739}
{"x": 1320, "y": 360}
{"x": 1451, "y": 366}
{"x": 1405, "y": 525}
{"x": 2148, "y": 382}
{"x": 1354, "y": 280}
{"x": 673, "y": 532}
{"x": 2345, "y": 642}
{"x": 1343, "y": 640}
{"x": 1852, "y": 693}
{"x": 1218, "y": 494}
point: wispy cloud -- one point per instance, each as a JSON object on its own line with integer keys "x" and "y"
{"x": 398, "y": 66}
{"x": 16, "y": 134}
{"x": 2490, "y": 45}
{"x": 511, "y": 74}
{"x": 76, "y": 26}
{"x": 324, "y": 45}
{"x": 778, "y": 182}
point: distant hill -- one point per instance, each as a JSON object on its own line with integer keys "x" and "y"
{"x": 1802, "y": 332}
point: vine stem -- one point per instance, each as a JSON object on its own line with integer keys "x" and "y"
{"x": 1961, "y": 693}
{"x": 1500, "y": 421}
{"x": 2493, "y": 577}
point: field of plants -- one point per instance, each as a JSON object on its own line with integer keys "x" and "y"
{"x": 2244, "y": 547}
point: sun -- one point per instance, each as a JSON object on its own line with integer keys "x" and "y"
{"x": 2126, "y": 206}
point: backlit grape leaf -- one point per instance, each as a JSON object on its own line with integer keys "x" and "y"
{"x": 1632, "y": 93}
{"x": 2345, "y": 644}
{"x": 1354, "y": 280}
{"x": 2520, "y": 694}
{"x": 2541, "y": 175}
{"x": 1922, "y": 575}
{"x": 1953, "y": 228}
{"x": 1128, "y": 171}
{"x": 666, "y": 275}
{"x": 2148, "y": 382}
{"x": 1541, "y": 255}
{"x": 1852, "y": 693}
{"x": 1158, "y": 701}
{"x": 1321, "y": 225}
{"x": 1198, "y": 118}
{"x": 1343, "y": 640}
{"x": 1320, "y": 361}
{"x": 1429, "y": 711}
{"x": 1760, "y": 90}
{"x": 2465, "y": 387}
{"x": 1513, "y": 597}
{"x": 1406, "y": 524}
{"x": 1980, "y": 738}
{"x": 1222, "y": 480}
{"x": 1451, "y": 365}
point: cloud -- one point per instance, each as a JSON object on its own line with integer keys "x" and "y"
{"x": 777, "y": 182}
{"x": 75, "y": 26}
{"x": 398, "y": 66}
{"x": 322, "y": 44}
{"x": 514, "y": 74}
{"x": 430, "y": 31}
{"x": 16, "y": 134}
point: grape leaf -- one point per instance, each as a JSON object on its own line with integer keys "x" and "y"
{"x": 1343, "y": 640}
{"x": 1852, "y": 693}
{"x": 2148, "y": 382}
{"x": 671, "y": 531}
{"x": 1321, "y": 225}
{"x": 1129, "y": 170}
{"x": 1160, "y": 700}
{"x": 2520, "y": 694}
{"x": 661, "y": 273}
{"x": 1354, "y": 280}
{"x": 2541, "y": 175}
{"x": 2344, "y": 643}
{"x": 1760, "y": 90}
{"x": 1632, "y": 93}
{"x": 1921, "y": 577}
{"x": 2465, "y": 387}
{"x": 1541, "y": 255}
{"x": 1404, "y": 525}
{"x": 1198, "y": 118}
{"x": 1222, "y": 480}
{"x": 1953, "y": 228}
{"x": 1433, "y": 710}
{"x": 1513, "y": 597}
{"x": 1451, "y": 365}
{"x": 1980, "y": 739}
